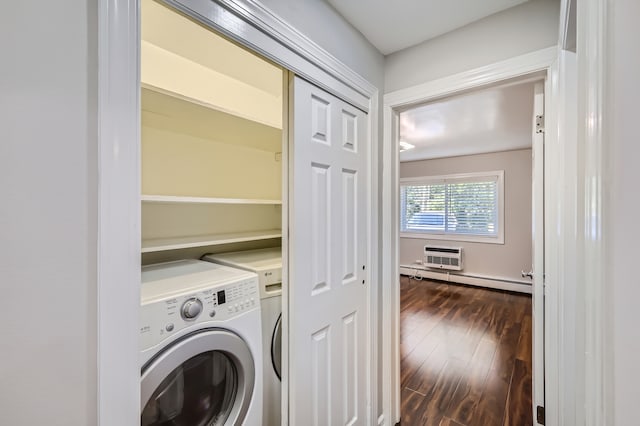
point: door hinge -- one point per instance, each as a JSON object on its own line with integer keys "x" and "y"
{"x": 539, "y": 123}
{"x": 540, "y": 415}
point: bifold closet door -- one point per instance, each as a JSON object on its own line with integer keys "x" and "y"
{"x": 328, "y": 323}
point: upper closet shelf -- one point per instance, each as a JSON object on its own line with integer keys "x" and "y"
{"x": 169, "y": 199}
{"x": 208, "y": 87}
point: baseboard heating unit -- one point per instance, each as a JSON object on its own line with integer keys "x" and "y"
{"x": 419, "y": 272}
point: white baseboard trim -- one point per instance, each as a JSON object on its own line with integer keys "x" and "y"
{"x": 487, "y": 282}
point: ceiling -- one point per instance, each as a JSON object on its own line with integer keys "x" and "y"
{"x": 489, "y": 120}
{"x": 395, "y": 25}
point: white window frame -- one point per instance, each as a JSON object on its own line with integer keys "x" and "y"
{"x": 426, "y": 180}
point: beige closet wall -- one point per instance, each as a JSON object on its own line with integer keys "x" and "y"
{"x": 504, "y": 261}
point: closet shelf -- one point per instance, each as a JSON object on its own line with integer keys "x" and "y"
{"x": 163, "y": 244}
{"x": 170, "y": 199}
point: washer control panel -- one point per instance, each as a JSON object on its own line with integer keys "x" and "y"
{"x": 162, "y": 318}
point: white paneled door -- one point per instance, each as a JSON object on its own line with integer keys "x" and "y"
{"x": 328, "y": 332}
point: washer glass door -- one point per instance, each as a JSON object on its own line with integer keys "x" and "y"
{"x": 203, "y": 379}
{"x": 199, "y": 392}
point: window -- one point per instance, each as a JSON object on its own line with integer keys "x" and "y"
{"x": 465, "y": 207}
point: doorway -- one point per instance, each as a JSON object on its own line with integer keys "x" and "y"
{"x": 466, "y": 219}
{"x": 414, "y": 264}
{"x": 269, "y": 37}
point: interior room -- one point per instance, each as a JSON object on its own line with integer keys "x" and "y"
{"x": 190, "y": 185}
{"x": 465, "y": 240}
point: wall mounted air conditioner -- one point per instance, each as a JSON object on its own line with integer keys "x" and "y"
{"x": 439, "y": 257}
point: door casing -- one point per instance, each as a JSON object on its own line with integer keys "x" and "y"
{"x": 536, "y": 64}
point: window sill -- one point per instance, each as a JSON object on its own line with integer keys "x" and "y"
{"x": 457, "y": 237}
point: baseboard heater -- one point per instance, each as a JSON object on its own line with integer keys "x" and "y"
{"x": 439, "y": 257}
{"x": 420, "y": 271}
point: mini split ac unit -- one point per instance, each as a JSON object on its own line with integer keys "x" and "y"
{"x": 443, "y": 257}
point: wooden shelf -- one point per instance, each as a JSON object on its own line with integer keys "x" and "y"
{"x": 162, "y": 244}
{"x": 171, "y": 199}
{"x": 163, "y": 110}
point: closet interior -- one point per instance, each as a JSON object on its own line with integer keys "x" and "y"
{"x": 211, "y": 130}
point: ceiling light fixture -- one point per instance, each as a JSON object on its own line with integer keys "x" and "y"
{"x": 405, "y": 146}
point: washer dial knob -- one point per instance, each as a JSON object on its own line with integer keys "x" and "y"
{"x": 191, "y": 308}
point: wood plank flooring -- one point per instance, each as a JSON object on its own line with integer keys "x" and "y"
{"x": 466, "y": 355}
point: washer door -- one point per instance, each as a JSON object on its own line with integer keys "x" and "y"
{"x": 204, "y": 379}
{"x": 276, "y": 347}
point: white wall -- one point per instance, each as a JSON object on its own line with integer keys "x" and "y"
{"x": 503, "y": 261}
{"x": 522, "y": 29}
{"x": 624, "y": 68}
{"x": 48, "y": 225}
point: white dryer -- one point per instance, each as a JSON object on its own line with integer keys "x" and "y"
{"x": 201, "y": 345}
{"x": 267, "y": 263}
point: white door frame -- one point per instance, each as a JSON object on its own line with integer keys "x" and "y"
{"x": 536, "y": 62}
{"x": 594, "y": 389}
{"x": 251, "y": 25}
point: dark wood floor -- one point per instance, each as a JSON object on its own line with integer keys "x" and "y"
{"x": 466, "y": 355}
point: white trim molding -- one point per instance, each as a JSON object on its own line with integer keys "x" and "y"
{"x": 593, "y": 117}
{"x": 534, "y": 65}
{"x": 519, "y": 66}
{"x": 253, "y": 26}
{"x": 118, "y": 213}
{"x": 261, "y": 17}
{"x": 567, "y": 32}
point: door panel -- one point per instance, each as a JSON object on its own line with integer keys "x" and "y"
{"x": 349, "y": 226}
{"x": 329, "y": 340}
{"x": 350, "y": 368}
{"x": 320, "y": 211}
{"x": 321, "y": 383}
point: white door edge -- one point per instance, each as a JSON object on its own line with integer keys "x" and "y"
{"x": 119, "y": 171}
{"x": 118, "y": 280}
{"x": 521, "y": 66}
{"x": 537, "y": 238}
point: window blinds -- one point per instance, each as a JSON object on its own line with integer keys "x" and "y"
{"x": 466, "y": 206}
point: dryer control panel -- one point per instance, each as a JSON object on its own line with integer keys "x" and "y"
{"x": 160, "y": 319}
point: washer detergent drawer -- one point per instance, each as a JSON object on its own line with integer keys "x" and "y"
{"x": 270, "y": 282}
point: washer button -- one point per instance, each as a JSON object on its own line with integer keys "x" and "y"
{"x": 169, "y": 327}
{"x": 212, "y": 313}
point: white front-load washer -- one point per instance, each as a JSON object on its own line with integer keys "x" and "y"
{"x": 267, "y": 263}
{"x": 201, "y": 345}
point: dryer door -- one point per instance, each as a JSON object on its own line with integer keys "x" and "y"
{"x": 206, "y": 378}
